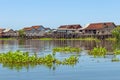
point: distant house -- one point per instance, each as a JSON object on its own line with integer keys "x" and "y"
{"x": 99, "y": 28}
{"x": 68, "y": 31}
{"x": 9, "y": 33}
{"x": 69, "y": 28}
{"x": 34, "y": 31}
{"x": 1, "y": 32}
{"x": 47, "y": 30}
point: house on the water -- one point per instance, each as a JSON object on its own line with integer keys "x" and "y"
{"x": 1, "y": 32}
{"x": 100, "y": 28}
{"x": 10, "y": 33}
{"x": 34, "y": 31}
{"x": 48, "y": 32}
{"x": 67, "y": 31}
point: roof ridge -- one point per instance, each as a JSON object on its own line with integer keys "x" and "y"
{"x": 101, "y": 22}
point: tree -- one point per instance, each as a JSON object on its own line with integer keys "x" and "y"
{"x": 21, "y": 33}
{"x": 116, "y": 33}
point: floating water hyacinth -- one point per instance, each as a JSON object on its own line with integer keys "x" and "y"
{"x": 98, "y": 52}
{"x": 66, "y": 49}
{"x": 23, "y": 59}
{"x": 116, "y": 52}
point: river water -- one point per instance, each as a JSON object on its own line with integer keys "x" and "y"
{"x": 88, "y": 67}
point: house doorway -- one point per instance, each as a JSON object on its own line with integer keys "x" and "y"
{"x": 94, "y": 31}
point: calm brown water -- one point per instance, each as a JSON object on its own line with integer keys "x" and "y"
{"x": 88, "y": 68}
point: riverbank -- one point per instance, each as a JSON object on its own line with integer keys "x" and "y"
{"x": 49, "y": 39}
{"x": 87, "y": 39}
{"x": 8, "y": 38}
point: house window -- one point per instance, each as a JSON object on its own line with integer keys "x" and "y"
{"x": 89, "y": 31}
{"x": 104, "y": 23}
{"x": 73, "y": 31}
{"x": 94, "y": 31}
{"x": 102, "y": 31}
{"x": 106, "y": 26}
{"x": 80, "y": 30}
{"x": 86, "y": 31}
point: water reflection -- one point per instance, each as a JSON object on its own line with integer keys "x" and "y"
{"x": 45, "y": 47}
{"x": 41, "y": 46}
{"x": 87, "y": 45}
{"x": 18, "y": 67}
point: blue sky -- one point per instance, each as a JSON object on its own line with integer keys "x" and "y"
{"x": 17, "y": 14}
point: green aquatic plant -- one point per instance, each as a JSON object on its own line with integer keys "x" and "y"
{"x": 66, "y": 49}
{"x": 71, "y": 60}
{"x": 116, "y": 52}
{"x": 7, "y": 38}
{"x": 88, "y": 39}
{"x": 19, "y": 59}
{"x": 46, "y": 39}
{"x": 115, "y": 59}
{"x": 98, "y": 52}
{"x": 110, "y": 39}
{"x": 81, "y": 39}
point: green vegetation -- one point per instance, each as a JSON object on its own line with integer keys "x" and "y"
{"x": 116, "y": 52}
{"x": 98, "y": 52}
{"x": 115, "y": 59}
{"x": 116, "y": 46}
{"x": 116, "y": 33}
{"x": 71, "y": 60}
{"x": 21, "y": 33}
{"x": 111, "y": 39}
{"x": 66, "y": 49}
{"x": 7, "y": 38}
{"x": 87, "y": 39}
{"x": 18, "y": 59}
{"x": 46, "y": 39}
{"x": 24, "y": 57}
